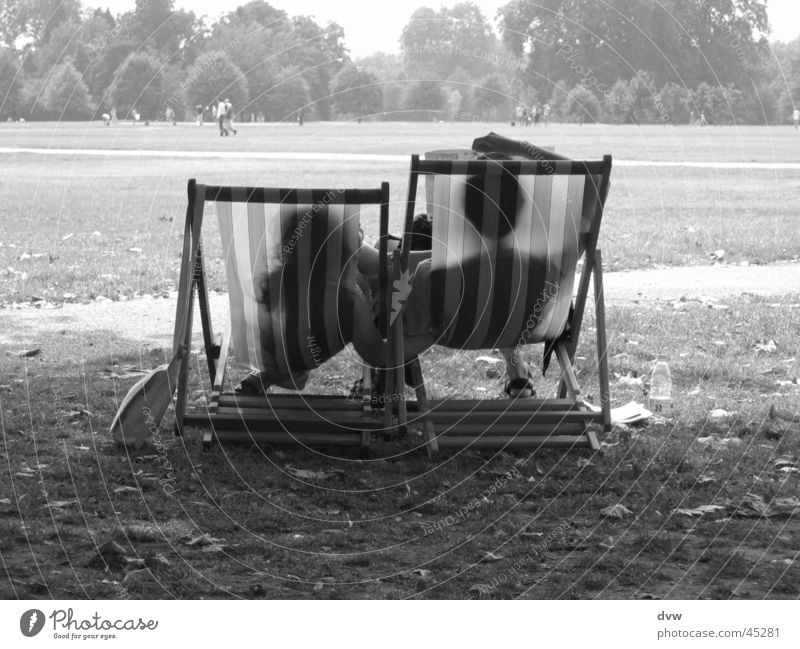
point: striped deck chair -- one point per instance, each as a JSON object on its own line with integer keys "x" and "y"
{"x": 507, "y": 238}
{"x": 287, "y": 322}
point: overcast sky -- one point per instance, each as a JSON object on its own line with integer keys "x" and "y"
{"x": 376, "y": 26}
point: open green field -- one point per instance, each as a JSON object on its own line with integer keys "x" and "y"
{"x": 84, "y": 226}
{"x": 763, "y": 144}
{"x": 711, "y": 499}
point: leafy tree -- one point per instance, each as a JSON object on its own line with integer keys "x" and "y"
{"x": 617, "y": 101}
{"x": 357, "y": 93}
{"x": 425, "y": 100}
{"x": 640, "y": 97}
{"x": 287, "y": 97}
{"x": 559, "y": 99}
{"x": 319, "y": 52}
{"x": 590, "y": 43}
{"x": 491, "y": 97}
{"x": 66, "y": 96}
{"x": 36, "y": 19}
{"x": 461, "y": 81}
{"x": 138, "y": 83}
{"x": 386, "y": 67}
{"x": 435, "y": 43}
{"x": 672, "y": 104}
{"x": 11, "y": 82}
{"x": 582, "y": 106}
{"x": 393, "y": 99}
{"x": 212, "y": 76}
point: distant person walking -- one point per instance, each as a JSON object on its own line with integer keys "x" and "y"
{"x": 796, "y": 118}
{"x": 113, "y": 116}
{"x": 546, "y": 113}
{"x": 228, "y": 121}
{"x": 106, "y": 119}
{"x": 170, "y": 115}
{"x": 301, "y": 116}
{"x": 703, "y": 120}
{"x": 221, "y": 116}
{"x": 199, "y": 110}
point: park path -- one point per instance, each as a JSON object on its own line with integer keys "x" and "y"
{"x": 353, "y": 157}
{"x": 149, "y": 321}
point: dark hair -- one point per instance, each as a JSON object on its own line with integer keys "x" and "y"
{"x": 506, "y": 201}
{"x": 293, "y": 229}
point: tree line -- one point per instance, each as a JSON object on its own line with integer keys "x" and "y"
{"x": 616, "y": 61}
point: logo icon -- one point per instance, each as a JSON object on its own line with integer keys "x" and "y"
{"x": 31, "y": 622}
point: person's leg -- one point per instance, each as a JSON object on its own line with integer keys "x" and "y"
{"x": 519, "y": 383}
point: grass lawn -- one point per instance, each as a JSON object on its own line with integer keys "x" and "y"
{"x": 763, "y": 144}
{"x": 236, "y": 522}
{"x": 711, "y": 498}
{"x": 81, "y": 227}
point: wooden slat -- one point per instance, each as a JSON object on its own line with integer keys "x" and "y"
{"x": 510, "y": 430}
{"x": 517, "y": 442}
{"x": 279, "y": 401}
{"x": 227, "y": 420}
{"x": 222, "y": 366}
{"x": 285, "y": 195}
{"x": 271, "y": 437}
{"x": 483, "y": 418}
{"x": 510, "y": 405}
{"x": 521, "y": 167}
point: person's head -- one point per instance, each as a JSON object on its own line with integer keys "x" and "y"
{"x": 505, "y": 200}
{"x": 297, "y": 232}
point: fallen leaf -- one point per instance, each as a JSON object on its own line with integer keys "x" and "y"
{"x": 702, "y": 509}
{"x": 421, "y": 572}
{"x": 111, "y": 548}
{"x": 768, "y": 347}
{"x": 305, "y": 474}
{"x": 202, "y": 541}
{"x": 136, "y": 575}
{"x": 491, "y": 557}
{"x": 59, "y": 504}
{"x": 719, "y": 413}
{"x": 30, "y": 353}
{"x": 211, "y": 549}
{"x": 125, "y": 489}
{"x": 616, "y": 511}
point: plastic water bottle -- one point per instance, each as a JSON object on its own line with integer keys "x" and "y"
{"x": 660, "y": 396}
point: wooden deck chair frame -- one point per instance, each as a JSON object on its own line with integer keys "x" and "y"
{"x": 284, "y": 418}
{"x": 563, "y": 421}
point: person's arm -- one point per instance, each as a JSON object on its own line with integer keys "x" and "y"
{"x": 369, "y": 260}
{"x": 367, "y": 340}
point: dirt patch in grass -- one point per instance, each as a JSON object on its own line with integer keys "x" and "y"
{"x": 710, "y": 501}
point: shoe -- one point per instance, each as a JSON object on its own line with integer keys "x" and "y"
{"x": 251, "y": 386}
{"x": 520, "y": 388}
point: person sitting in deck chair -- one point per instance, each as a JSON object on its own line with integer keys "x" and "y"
{"x": 354, "y": 303}
{"x": 417, "y": 317}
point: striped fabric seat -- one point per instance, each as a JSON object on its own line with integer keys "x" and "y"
{"x": 293, "y": 317}
{"x": 506, "y": 241}
{"x": 288, "y": 256}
